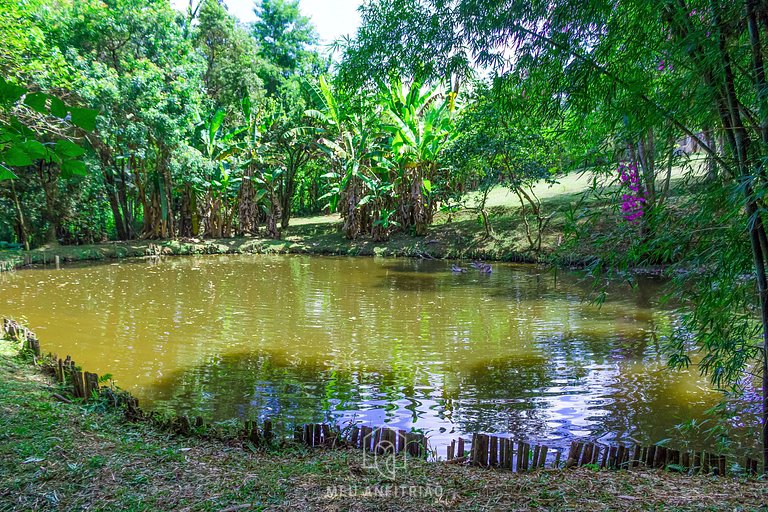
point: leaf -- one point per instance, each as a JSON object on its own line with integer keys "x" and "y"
{"x": 16, "y": 157}
{"x": 58, "y": 108}
{"x": 365, "y": 200}
{"x": 216, "y": 121}
{"x": 73, "y": 168}
{"x": 427, "y": 186}
{"x": 34, "y": 149}
{"x": 84, "y": 118}
{"x": 68, "y": 149}
{"x": 247, "y": 108}
{"x": 36, "y": 101}
{"x": 10, "y": 93}
{"x": 6, "y": 174}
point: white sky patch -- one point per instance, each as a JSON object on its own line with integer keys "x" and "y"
{"x": 332, "y": 18}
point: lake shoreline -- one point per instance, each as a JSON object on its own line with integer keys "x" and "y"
{"x": 98, "y": 459}
{"x": 444, "y": 242}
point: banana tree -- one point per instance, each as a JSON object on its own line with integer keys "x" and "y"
{"x": 219, "y": 186}
{"x": 262, "y": 171}
{"x": 421, "y": 124}
{"x": 350, "y": 141}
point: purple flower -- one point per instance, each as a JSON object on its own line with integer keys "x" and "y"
{"x": 631, "y": 204}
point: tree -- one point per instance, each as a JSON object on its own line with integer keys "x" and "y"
{"x": 286, "y": 38}
{"x": 38, "y": 135}
{"x": 233, "y": 63}
{"x": 350, "y": 139}
{"x": 139, "y": 70}
{"x": 421, "y": 123}
{"x": 504, "y": 143}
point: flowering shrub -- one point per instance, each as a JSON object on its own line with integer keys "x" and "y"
{"x": 632, "y": 203}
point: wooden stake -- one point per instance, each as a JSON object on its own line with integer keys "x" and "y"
{"x": 542, "y": 456}
{"x": 573, "y": 454}
{"x": 535, "y": 461}
{"x": 493, "y": 459}
{"x": 620, "y": 456}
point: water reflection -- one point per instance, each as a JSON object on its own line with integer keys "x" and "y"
{"x": 404, "y": 342}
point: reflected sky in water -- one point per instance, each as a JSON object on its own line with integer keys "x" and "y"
{"x": 409, "y": 343}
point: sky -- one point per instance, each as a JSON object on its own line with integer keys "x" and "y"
{"x": 333, "y": 18}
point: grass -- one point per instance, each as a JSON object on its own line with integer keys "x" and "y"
{"x": 58, "y": 456}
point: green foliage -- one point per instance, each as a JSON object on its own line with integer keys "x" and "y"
{"x": 286, "y": 38}
{"x": 27, "y": 117}
{"x": 234, "y": 67}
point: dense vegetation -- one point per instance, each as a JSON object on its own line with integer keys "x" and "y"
{"x": 127, "y": 119}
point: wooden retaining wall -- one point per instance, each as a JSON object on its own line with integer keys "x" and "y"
{"x": 504, "y": 453}
{"x": 484, "y": 450}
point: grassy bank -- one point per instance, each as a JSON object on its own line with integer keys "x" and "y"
{"x": 456, "y": 236}
{"x": 459, "y": 235}
{"x": 460, "y": 238}
{"x": 60, "y": 456}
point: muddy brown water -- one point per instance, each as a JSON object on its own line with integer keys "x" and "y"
{"x": 521, "y": 351}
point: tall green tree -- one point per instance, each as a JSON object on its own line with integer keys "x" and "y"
{"x": 287, "y": 39}
{"x": 137, "y": 68}
{"x": 506, "y": 143}
{"x": 421, "y": 122}
{"x": 233, "y": 62}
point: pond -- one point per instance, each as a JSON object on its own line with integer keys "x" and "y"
{"x": 409, "y": 343}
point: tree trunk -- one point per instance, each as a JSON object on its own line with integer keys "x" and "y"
{"x": 23, "y": 236}
{"x": 122, "y": 196}
{"x": 760, "y": 245}
{"x": 711, "y": 164}
{"x": 248, "y": 207}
